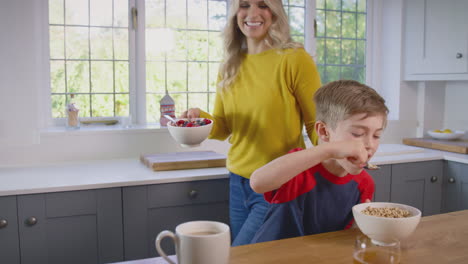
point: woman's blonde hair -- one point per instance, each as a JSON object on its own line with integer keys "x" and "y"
{"x": 337, "y": 101}
{"x": 278, "y": 36}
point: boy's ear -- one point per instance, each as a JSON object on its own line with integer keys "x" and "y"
{"x": 322, "y": 131}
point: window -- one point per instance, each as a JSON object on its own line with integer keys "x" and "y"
{"x": 93, "y": 45}
{"x": 89, "y": 56}
{"x": 341, "y": 39}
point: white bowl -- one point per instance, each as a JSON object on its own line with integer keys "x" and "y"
{"x": 384, "y": 230}
{"x": 448, "y": 136}
{"x": 189, "y": 136}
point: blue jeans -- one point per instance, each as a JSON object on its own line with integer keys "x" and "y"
{"x": 247, "y": 210}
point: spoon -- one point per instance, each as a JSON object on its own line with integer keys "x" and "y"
{"x": 170, "y": 118}
{"x": 371, "y": 166}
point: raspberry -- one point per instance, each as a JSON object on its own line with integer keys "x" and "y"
{"x": 189, "y": 125}
{"x": 207, "y": 121}
{"x": 180, "y": 123}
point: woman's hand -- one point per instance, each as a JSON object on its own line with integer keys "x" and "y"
{"x": 191, "y": 113}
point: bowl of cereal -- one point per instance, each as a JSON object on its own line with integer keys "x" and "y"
{"x": 386, "y": 222}
{"x": 190, "y": 133}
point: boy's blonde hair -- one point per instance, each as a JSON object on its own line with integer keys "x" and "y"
{"x": 278, "y": 36}
{"x": 337, "y": 101}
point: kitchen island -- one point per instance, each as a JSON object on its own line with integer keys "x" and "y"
{"x": 437, "y": 239}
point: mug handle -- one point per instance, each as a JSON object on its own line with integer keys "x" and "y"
{"x": 158, "y": 240}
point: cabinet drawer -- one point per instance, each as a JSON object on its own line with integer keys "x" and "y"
{"x": 184, "y": 193}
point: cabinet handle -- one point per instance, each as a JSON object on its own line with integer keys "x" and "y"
{"x": 433, "y": 179}
{"x": 459, "y": 55}
{"x": 193, "y": 194}
{"x": 31, "y": 221}
{"x": 3, "y": 223}
{"x": 451, "y": 180}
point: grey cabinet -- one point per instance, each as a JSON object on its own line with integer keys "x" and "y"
{"x": 382, "y": 179}
{"x": 418, "y": 184}
{"x": 71, "y": 227}
{"x": 148, "y": 210}
{"x": 455, "y": 187}
{"x": 9, "y": 240}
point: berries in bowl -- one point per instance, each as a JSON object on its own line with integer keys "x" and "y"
{"x": 190, "y": 133}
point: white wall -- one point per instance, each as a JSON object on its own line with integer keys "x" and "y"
{"x": 456, "y": 106}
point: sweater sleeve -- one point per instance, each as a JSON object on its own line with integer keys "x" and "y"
{"x": 220, "y": 128}
{"x": 304, "y": 81}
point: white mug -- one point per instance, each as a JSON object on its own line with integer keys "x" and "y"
{"x": 198, "y": 242}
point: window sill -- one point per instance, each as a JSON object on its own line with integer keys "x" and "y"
{"x": 103, "y": 129}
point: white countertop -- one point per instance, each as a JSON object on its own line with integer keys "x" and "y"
{"x": 130, "y": 172}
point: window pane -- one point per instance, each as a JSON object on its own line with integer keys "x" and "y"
{"x": 348, "y": 51}
{"x": 333, "y": 51}
{"x": 215, "y": 49}
{"x": 76, "y": 12}
{"x": 211, "y": 99}
{"x": 332, "y": 24}
{"x": 100, "y": 40}
{"x": 179, "y": 50}
{"x": 348, "y": 73}
{"x": 296, "y": 2}
{"x": 83, "y": 103}
{"x": 58, "y": 106}
{"x": 322, "y": 73}
{"x": 361, "y": 26}
{"x": 349, "y": 25}
{"x": 217, "y": 14}
{"x": 320, "y": 23}
{"x": 176, "y": 77}
{"x": 349, "y": 5}
{"x": 320, "y": 4}
{"x": 122, "y": 77}
{"x": 156, "y": 48}
{"x": 101, "y": 12}
{"x": 155, "y": 77}
{"x": 197, "y": 100}
{"x": 197, "y": 46}
{"x": 197, "y": 14}
{"x": 102, "y": 77}
{"x": 102, "y": 105}
{"x": 361, "y": 52}
{"x": 77, "y": 76}
{"x": 296, "y": 20}
{"x": 152, "y": 107}
{"x": 56, "y": 12}
{"x": 213, "y": 76}
{"x": 176, "y": 14}
{"x": 321, "y": 51}
{"x": 120, "y": 13}
{"x": 180, "y": 102}
{"x": 333, "y": 73}
{"x": 362, "y": 6}
{"x": 333, "y": 4}
{"x": 57, "y": 76}
{"x": 77, "y": 42}
{"x": 154, "y": 13}
{"x": 122, "y": 106}
{"x": 57, "y": 42}
{"x": 197, "y": 77}
{"x": 120, "y": 44}
{"x": 361, "y": 74}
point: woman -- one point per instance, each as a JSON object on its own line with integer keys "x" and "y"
{"x": 264, "y": 97}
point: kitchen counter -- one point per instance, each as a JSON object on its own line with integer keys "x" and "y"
{"x": 130, "y": 172}
{"x": 437, "y": 239}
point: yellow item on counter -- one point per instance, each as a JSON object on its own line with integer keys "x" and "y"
{"x": 447, "y": 131}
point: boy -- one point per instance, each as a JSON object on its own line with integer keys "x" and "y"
{"x": 313, "y": 190}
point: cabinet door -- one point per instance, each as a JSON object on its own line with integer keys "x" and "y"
{"x": 455, "y": 187}
{"x": 382, "y": 179}
{"x": 71, "y": 227}
{"x": 436, "y": 38}
{"x": 9, "y": 242}
{"x": 148, "y": 210}
{"x": 418, "y": 184}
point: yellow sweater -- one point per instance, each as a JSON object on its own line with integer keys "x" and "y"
{"x": 264, "y": 110}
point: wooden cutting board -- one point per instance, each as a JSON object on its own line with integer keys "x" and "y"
{"x": 458, "y": 146}
{"x": 183, "y": 160}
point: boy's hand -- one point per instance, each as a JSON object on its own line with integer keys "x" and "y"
{"x": 351, "y": 154}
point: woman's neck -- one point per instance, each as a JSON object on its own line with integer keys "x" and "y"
{"x": 256, "y": 46}
{"x": 334, "y": 168}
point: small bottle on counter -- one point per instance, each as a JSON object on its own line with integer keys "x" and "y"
{"x": 72, "y": 111}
